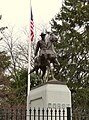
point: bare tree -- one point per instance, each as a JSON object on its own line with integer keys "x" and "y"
{"x": 16, "y": 51}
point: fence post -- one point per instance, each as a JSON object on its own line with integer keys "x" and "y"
{"x": 59, "y": 113}
{"x": 38, "y": 113}
{"x": 16, "y": 114}
{"x": 30, "y": 111}
{"x": 11, "y": 117}
{"x": 43, "y": 113}
{"x": 51, "y": 113}
{"x": 25, "y": 113}
{"x": 68, "y": 113}
{"x": 6, "y": 114}
{"x": 21, "y": 111}
{"x": 63, "y": 114}
{"x": 55, "y": 114}
{"x": 47, "y": 113}
{"x": 34, "y": 113}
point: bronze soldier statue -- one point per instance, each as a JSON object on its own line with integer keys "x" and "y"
{"x": 41, "y": 44}
{"x": 47, "y": 54}
{"x": 41, "y": 61}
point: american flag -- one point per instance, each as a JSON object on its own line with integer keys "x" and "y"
{"x": 32, "y": 26}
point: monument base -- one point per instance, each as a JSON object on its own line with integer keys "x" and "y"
{"x": 52, "y": 94}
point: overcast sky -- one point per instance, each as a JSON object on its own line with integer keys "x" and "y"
{"x": 16, "y": 12}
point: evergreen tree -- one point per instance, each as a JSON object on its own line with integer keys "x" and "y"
{"x": 4, "y": 80}
{"x": 18, "y": 88}
{"x": 71, "y": 25}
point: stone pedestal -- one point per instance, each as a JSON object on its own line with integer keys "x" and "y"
{"x": 53, "y": 94}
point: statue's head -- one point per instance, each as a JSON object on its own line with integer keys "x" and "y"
{"x": 43, "y": 35}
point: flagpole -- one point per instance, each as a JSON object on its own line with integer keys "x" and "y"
{"x": 29, "y": 66}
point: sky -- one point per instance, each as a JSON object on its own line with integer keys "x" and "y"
{"x": 16, "y": 12}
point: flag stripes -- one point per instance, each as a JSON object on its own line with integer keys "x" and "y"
{"x": 32, "y": 26}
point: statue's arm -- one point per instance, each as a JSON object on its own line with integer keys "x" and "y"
{"x": 37, "y": 48}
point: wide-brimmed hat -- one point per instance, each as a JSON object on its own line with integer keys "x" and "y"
{"x": 42, "y": 34}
